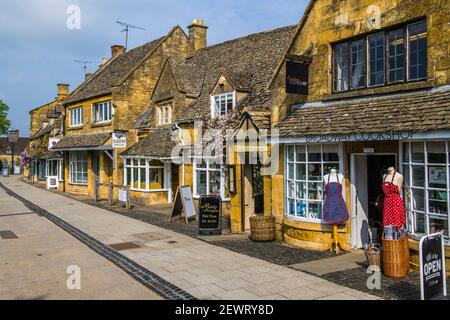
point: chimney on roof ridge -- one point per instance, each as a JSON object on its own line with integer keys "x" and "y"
{"x": 87, "y": 75}
{"x": 116, "y": 49}
{"x": 63, "y": 91}
{"x": 104, "y": 61}
{"x": 198, "y": 34}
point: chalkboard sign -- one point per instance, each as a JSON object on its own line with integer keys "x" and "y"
{"x": 210, "y": 215}
{"x": 297, "y": 77}
{"x": 183, "y": 206}
{"x": 432, "y": 267}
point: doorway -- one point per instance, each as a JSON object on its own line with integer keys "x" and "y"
{"x": 252, "y": 193}
{"x": 367, "y": 173}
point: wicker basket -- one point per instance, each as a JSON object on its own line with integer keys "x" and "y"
{"x": 374, "y": 258}
{"x": 396, "y": 258}
{"x": 262, "y": 229}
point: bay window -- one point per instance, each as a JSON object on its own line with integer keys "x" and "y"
{"x": 382, "y": 58}
{"x": 102, "y": 112}
{"x": 306, "y": 166}
{"x": 144, "y": 174}
{"x": 426, "y": 169}
{"x": 78, "y": 167}
{"x": 209, "y": 179}
{"x": 55, "y": 169}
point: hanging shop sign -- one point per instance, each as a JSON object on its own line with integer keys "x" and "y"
{"x": 183, "y": 205}
{"x": 13, "y": 136}
{"x": 355, "y": 137}
{"x": 297, "y": 77}
{"x": 432, "y": 267}
{"x": 210, "y": 215}
{"x": 119, "y": 140}
{"x": 52, "y": 182}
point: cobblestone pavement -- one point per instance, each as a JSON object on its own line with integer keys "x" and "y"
{"x": 203, "y": 270}
{"x": 35, "y": 256}
{"x": 277, "y": 252}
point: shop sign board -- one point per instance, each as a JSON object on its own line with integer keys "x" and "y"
{"x": 183, "y": 206}
{"x": 52, "y": 182}
{"x": 119, "y": 140}
{"x": 297, "y": 77}
{"x": 13, "y": 136}
{"x": 17, "y": 170}
{"x": 52, "y": 142}
{"x": 210, "y": 215}
{"x": 432, "y": 267}
{"x": 123, "y": 195}
{"x": 360, "y": 137}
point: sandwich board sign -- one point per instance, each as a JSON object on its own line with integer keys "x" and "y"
{"x": 183, "y": 206}
{"x": 52, "y": 183}
{"x": 432, "y": 267}
{"x": 210, "y": 215}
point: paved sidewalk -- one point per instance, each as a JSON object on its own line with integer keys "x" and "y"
{"x": 35, "y": 255}
{"x": 202, "y": 269}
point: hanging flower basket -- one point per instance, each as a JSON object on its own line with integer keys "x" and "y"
{"x": 262, "y": 229}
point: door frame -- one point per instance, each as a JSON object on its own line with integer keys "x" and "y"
{"x": 353, "y": 193}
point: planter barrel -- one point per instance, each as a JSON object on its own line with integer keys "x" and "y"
{"x": 263, "y": 228}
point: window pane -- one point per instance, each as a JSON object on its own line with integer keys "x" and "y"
{"x": 143, "y": 185}
{"x": 376, "y": 59}
{"x": 331, "y": 153}
{"x": 214, "y": 182}
{"x": 396, "y": 49}
{"x": 300, "y": 153}
{"x": 291, "y": 204}
{"x": 405, "y": 152}
{"x": 314, "y": 172}
{"x": 420, "y": 226}
{"x": 418, "y": 200}
{"x": 406, "y": 175}
{"x": 438, "y": 202}
{"x": 437, "y": 177}
{"x": 437, "y": 225}
{"x": 314, "y": 153}
{"x": 136, "y": 178}
{"x": 418, "y": 153}
{"x": 291, "y": 188}
{"x": 436, "y": 152}
{"x": 417, "y": 50}
{"x": 301, "y": 209}
{"x": 300, "y": 171}
{"x": 315, "y": 191}
{"x": 301, "y": 190}
{"x": 291, "y": 171}
{"x": 315, "y": 210}
{"x": 418, "y": 176}
{"x": 341, "y": 67}
{"x": 201, "y": 182}
{"x": 357, "y": 64}
{"x": 291, "y": 153}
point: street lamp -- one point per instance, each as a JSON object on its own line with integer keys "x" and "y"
{"x": 13, "y": 138}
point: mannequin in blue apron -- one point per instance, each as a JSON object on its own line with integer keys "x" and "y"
{"x": 334, "y": 208}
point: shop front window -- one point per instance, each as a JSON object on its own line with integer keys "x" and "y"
{"x": 209, "y": 179}
{"x": 426, "y": 169}
{"x": 144, "y": 175}
{"x": 306, "y": 165}
{"x": 78, "y": 167}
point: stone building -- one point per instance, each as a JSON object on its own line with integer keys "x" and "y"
{"x": 365, "y": 86}
{"x": 46, "y": 128}
{"x": 6, "y": 151}
{"x": 214, "y": 86}
{"x": 107, "y": 103}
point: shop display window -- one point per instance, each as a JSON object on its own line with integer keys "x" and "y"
{"x": 144, "y": 175}
{"x": 306, "y": 165}
{"x": 426, "y": 169}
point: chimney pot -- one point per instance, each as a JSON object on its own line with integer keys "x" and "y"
{"x": 63, "y": 91}
{"x": 198, "y": 34}
{"x": 116, "y": 49}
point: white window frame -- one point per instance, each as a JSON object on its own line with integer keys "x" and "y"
{"x": 165, "y": 112}
{"x": 102, "y": 112}
{"x": 412, "y": 213}
{"x": 147, "y": 167}
{"x": 208, "y": 169}
{"x": 340, "y": 164}
{"x": 76, "y": 117}
{"x": 159, "y": 118}
{"x": 52, "y": 162}
{"x": 76, "y": 164}
{"x": 216, "y": 110}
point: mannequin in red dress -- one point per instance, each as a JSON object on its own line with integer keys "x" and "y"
{"x": 394, "y": 209}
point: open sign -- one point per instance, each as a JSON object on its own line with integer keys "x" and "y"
{"x": 432, "y": 267}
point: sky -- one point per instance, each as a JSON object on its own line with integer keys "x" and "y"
{"x": 40, "y": 39}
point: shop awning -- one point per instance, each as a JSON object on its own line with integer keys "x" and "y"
{"x": 419, "y": 112}
{"x": 86, "y": 142}
{"x": 157, "y": 144}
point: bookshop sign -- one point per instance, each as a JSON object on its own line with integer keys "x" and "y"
{"x": 361, "y": 137}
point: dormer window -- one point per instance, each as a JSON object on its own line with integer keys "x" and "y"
{"x": 164, "y": 115}
{"x": 222, "y": 104}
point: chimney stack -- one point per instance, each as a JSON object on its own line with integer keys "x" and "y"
{"x": 87, "y": 75}
{"x": 116, "y": 49}
{"x": 63, "y": 91}
{"x": 197, "y": 34}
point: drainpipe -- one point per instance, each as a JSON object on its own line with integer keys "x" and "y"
{"x": 180, "y": 137}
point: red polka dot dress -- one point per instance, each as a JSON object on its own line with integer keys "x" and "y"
{"x": 394, "y": 209}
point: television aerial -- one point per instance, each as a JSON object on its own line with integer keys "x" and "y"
{"x": 128, "y": 26}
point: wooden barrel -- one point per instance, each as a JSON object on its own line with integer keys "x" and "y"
{"x": 395, "y": 258}
{"x": 263, "y": 228}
